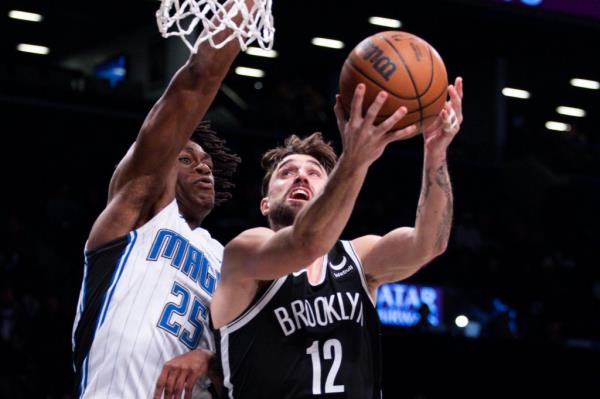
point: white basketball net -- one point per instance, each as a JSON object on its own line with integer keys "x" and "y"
{"x": 181, "y": 17}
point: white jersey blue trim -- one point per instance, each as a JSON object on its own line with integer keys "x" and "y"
{"x": 131, "y": 238}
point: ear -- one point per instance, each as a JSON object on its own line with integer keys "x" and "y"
{"x": 264, "y": 206}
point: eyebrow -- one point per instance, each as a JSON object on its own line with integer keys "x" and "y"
{"x": 281, "y": 165}
{"x": 202, "y": 155}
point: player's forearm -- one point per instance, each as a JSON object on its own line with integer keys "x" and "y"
{"x": 206, "y": 69}
{"x": 319, "y": 225}
{"x": 172, "y": 120}
{"x": 213, "y": 64}
{"x": 210, "y": 65}
{"x": 435, "y": 209}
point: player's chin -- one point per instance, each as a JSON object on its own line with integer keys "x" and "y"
{"x": 205, "y": 201}
{"x": 296, "y": 203}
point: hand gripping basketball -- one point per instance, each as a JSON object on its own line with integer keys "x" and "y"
{"x": 447, "y": 124}
{"x": 407, "y": 67}
{"x": 363, "y": 140}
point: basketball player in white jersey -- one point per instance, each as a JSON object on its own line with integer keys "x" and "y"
{"x": 294, "y": 309}
{"x": 150, "y": 269}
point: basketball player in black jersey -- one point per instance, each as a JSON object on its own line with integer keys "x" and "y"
{"x": 294, "y": 311}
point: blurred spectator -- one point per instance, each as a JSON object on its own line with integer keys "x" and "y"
{"x": 9, "y": 314}
{"x": 424, "y": 325}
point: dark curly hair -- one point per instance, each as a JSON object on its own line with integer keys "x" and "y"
{"x": 225, "y": 162}
{"x": 313, "y": 145}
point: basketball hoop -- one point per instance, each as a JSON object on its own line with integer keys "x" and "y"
{"x": 181, "y": 17}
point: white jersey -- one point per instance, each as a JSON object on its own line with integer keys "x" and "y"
{"x": 144, "y": 300}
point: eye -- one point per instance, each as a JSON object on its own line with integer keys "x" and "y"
{"x": 315, "y": 173}
{"x": 185, "y": 160}
{"x": 287, "y": 172}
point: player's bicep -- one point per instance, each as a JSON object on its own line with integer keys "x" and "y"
{"x": 161, "y": 137}
{"x": 392, "y": 257}
{"x": 242, "y": 255}
{"x": 117, "y": 180}
{"x": 132, "y": 198}
{"x": 129, "y": 185}
{"x": 173, "y": 118}
{"x": 262, "y": 254}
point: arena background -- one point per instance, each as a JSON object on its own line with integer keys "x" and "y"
{"x": 522, "y": 264}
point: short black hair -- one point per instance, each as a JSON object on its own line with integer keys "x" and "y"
{"x": 225, "y": 162}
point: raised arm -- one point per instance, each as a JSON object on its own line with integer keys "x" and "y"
{"x": 142, "y": 183}
{"x": 173, "y": 118}
{"x": 401, "y": 252}
{"x": 261, "y": 254}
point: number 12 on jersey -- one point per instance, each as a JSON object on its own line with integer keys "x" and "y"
{"x": 331, "y": 348}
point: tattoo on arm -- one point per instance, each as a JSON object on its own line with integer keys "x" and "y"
{"x": 424, "y": 191}
{"x": 440, "y": 178}
{"x": 443, "y": 181}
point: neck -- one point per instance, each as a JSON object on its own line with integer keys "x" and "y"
{"x": 194, "y": 220}
{"x": 277, "y": 226}
{"x": 193, "y": 223}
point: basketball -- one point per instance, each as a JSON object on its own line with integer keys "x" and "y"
{"x": 404, "y": 65}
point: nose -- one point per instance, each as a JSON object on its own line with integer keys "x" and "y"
{"x": 301, "y": 176}
{"x": 202, "y": 168}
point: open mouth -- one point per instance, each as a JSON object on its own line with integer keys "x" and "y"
{"x": 300, "y": 194}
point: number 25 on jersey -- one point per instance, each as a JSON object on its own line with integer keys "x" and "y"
{"x": 191, "y": 339}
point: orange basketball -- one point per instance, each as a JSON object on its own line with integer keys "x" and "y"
{"x": 404, "y": 65}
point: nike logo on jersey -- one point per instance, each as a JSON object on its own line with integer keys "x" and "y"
{"x": 320, "y": 311}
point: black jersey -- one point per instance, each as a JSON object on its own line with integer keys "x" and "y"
{"x": 299, "y": 340}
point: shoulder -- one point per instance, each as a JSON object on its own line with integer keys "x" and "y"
{"x": 216, "y": 245}
{"x": 126, "y": 211}
{"x": 363, "y": 245}
{"x": 245, "y": 246}
{"x": 250, "y": 238}
{"x": 209, "y": 240}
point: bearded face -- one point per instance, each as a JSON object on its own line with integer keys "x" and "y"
{"x": 295, "y": 181}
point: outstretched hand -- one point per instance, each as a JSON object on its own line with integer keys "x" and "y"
{"x": 447, "y": 124}
{"x": 181, "y": 373}
{"x": 362, "y": 139}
